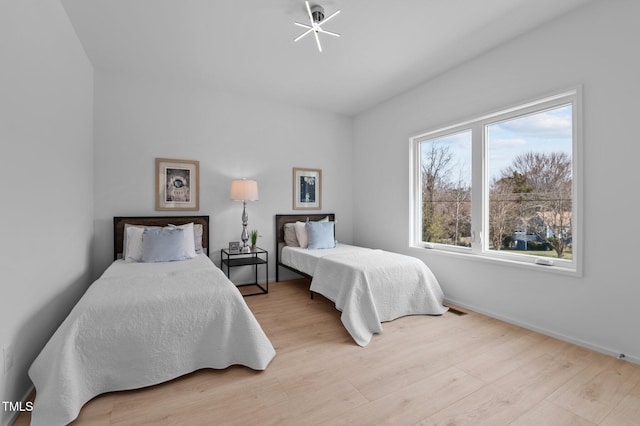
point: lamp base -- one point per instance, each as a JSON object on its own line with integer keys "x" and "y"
{"x": 245, "y": 234}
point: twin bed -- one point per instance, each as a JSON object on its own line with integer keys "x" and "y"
{"x": 149, "y": 319}
{"x": 143, "y": 323}
{"x": 368, "y": 286}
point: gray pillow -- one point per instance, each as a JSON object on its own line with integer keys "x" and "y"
{"x": 290, "y": 238}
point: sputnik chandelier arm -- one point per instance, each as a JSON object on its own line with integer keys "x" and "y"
{"x": 316, "y": 19}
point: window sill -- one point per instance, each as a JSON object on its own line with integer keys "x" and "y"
{"x": 468, "y": 255}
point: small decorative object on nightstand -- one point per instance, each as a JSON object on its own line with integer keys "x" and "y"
{"x": 256, "y": 257}
{"x": 253, "y": 235}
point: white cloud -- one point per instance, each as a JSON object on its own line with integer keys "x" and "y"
{"x": 549, "y": 124}
{"x": 498, "y": 143}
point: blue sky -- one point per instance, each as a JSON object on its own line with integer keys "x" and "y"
{"x": 547, "y": 131}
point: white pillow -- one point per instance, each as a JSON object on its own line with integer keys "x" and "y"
{"x": 301, "y": 234}
{"x": 197, "y": 237}
{"x": 189, "y": 238}
{"x": 132, "y": 251}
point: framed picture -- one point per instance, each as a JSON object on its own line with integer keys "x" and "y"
{"x": 307, "y": 189}
{"x": 234, "y": 247}
{"x": 177, "y": 184}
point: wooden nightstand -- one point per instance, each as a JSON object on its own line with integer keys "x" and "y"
{"x": 255, "y": 258}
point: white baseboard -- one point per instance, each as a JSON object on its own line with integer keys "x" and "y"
{"x": 601, "y": 349}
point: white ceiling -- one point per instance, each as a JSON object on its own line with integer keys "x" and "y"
{"x": 386, "y": 48}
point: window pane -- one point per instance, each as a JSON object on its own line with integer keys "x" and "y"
{"x": 445, "y": 182}
{"x": 530, "y": 182}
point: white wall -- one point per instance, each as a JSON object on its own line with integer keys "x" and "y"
{"x": 232, "y": 136}
{"x": 597, "y": 47}
{"x": 46, "y": 211}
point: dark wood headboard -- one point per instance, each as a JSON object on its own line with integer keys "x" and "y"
{"x": 281, "y": 220}
{"x": 120, "y": 221}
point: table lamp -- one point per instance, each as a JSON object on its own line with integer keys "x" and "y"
{"x": 244, "y": 190}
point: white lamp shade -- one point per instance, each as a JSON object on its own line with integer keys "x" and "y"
{"x": 244, "y": 190}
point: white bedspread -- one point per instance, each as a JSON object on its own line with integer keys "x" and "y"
{"x": 143, "y": 324}
{"x": 306, "y": 260}
{"x": 374, "y": 286}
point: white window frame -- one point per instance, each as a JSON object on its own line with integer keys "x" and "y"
{"x": 479, "y": 186}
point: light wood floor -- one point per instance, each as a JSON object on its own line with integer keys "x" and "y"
{"x": 448, "y": 370}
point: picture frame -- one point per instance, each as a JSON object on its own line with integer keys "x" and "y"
{"x": 234, "y": 247}
{"x": 177, "y": 184}
{"x": 307, "y": 189}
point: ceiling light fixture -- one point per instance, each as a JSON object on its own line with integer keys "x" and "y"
{"x": 316, "y": 19}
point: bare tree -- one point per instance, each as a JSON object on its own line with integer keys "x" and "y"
{"x": 546, "y": 203}
{"x": 460, "y": 195}
{"x": 502, "y": 210}
{"x": 435, "y": 161}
